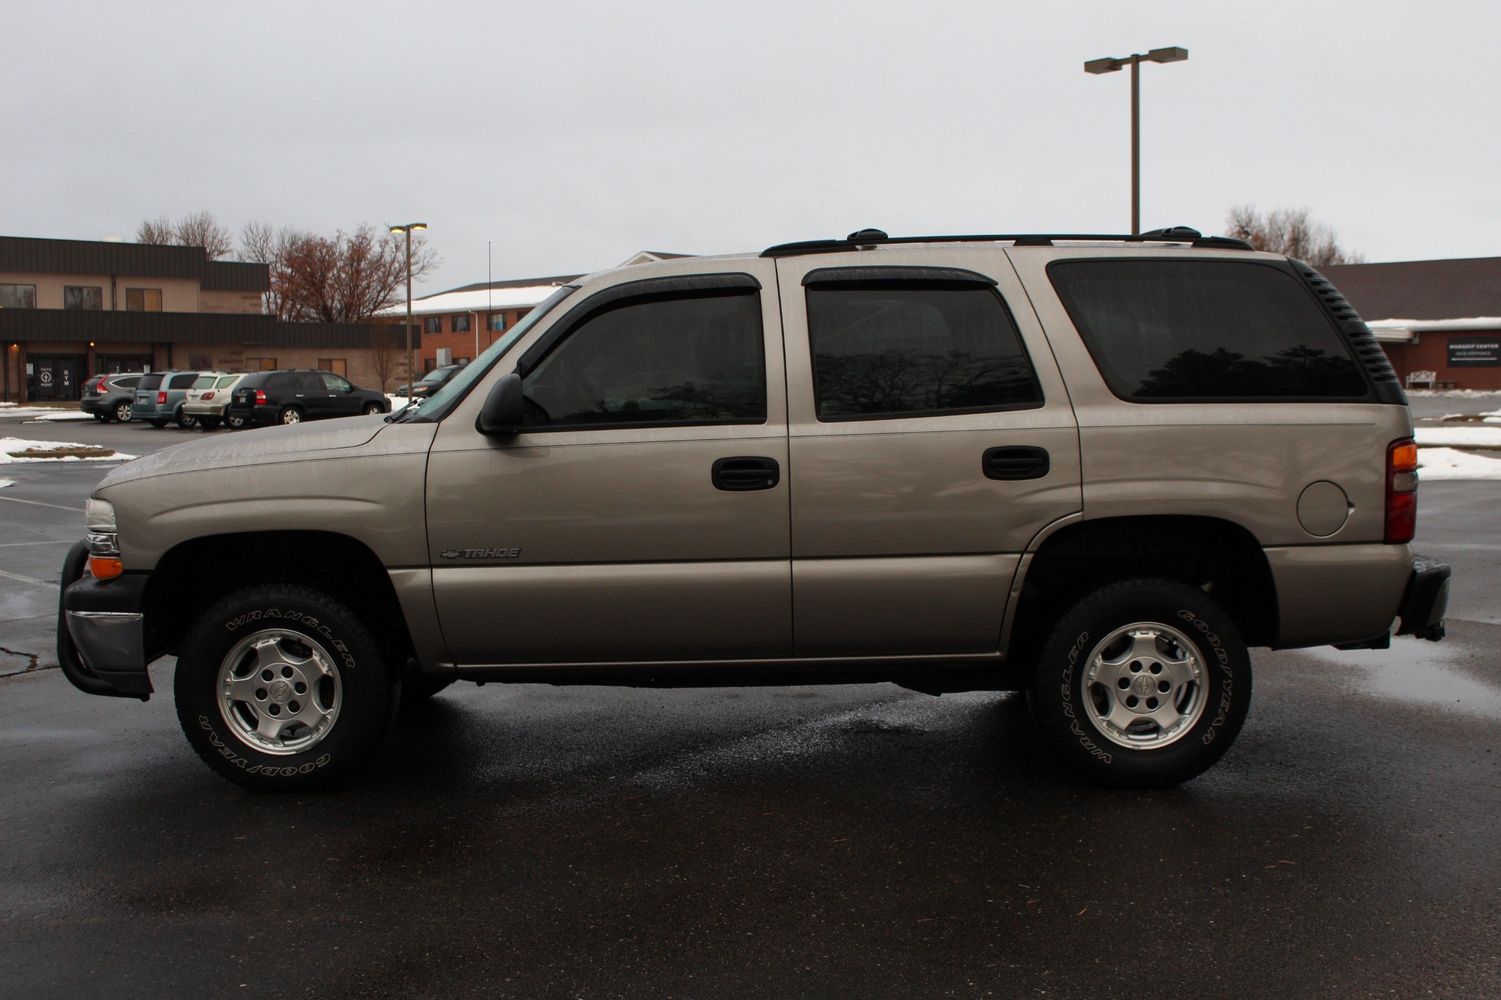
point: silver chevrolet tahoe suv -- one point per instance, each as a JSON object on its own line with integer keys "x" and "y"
{"x": 1092, "y": 468}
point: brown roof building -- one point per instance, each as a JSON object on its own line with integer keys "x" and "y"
{"x": 1439, "y": 320}
{"x": 70, "y": 309}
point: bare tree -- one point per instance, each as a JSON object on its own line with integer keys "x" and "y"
{"x": 197, "y": 229}
{"x": 383, "y": 355}
{"x": 1290, "y": 231}
{"x": 263, "y": 243}
{"x": 201, "y": 229}
{"x": 346, "y": 278}
{"x": 156, "y": 231}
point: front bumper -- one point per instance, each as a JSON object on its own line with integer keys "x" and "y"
{"x": 1426, "y": 599}
{"x": 101, "y": 630}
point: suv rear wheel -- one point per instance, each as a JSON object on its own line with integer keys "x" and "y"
{"x": 122, "y": 412}
{"x": 280, "y": 687}
{"x": 185, "y": 420}
{"x": 1143, "y": 683}
{"x": 290, "y": 415}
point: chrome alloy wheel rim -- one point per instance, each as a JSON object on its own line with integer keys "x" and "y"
{"x": 1143, "y": 686}
{"x": 279, "y": 691}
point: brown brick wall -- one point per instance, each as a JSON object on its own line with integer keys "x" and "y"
{"x": 1431, "y": 353}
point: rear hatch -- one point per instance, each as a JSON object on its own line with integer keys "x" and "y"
{"x": 146, "y": 391}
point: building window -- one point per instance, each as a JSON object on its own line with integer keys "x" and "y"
{"x": 433, "y": 324}
{"x": 497, "y": 322}
{"x": 143, "y": 300}
{"x": 260, "y": 364}
{"x": 17, "y": 296}
{"x": 83, "y": 297}
{"x": 461, "y": 324}
{"x": 339, "y": 366}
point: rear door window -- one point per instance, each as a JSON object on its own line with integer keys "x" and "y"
{"x": 909, "y": 348}
{"x": 1196, "y": 330}
{"x": 150, "y": 382}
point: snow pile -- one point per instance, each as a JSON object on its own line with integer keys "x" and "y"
{"x": 1449, "y": 463}
{"x": 1458, "y": 437}
{"x": 46, "y": 413}
{"x": 10, "y": 444}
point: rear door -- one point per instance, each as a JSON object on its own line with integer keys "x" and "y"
{"x": 642, "y": 512}
{"x": 931, "y": 439}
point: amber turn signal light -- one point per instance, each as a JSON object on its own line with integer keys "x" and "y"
{"x": 105, "y": 568}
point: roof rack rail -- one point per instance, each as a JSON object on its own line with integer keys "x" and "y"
{"x": 867, "y": 238}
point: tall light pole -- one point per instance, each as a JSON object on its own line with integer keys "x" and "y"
{"x": 407, "y": 228}
{"x": 1109, "y": 65}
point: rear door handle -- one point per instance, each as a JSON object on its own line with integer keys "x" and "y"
{"x": 1015, "y": 462}
{"x": 738, "y": 475}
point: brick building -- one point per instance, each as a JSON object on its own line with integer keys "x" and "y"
{"x": 74, "y": 308}
{"x": 1439, "y": 320}
{"x": 459, "y": 323}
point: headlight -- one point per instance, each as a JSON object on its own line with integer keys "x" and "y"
{"x": 99, "y": 515}
{"x": 103, "y": 539}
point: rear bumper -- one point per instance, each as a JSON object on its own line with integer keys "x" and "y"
{"x": 204, "y": 409}
{"x": 101, "y": 630}
{"x": 1426, "y": 599}
{"x": 95, "y": 404}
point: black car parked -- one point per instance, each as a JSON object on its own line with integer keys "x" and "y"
{"x": 290, "y": 397}
{"x": 109, "y": 396}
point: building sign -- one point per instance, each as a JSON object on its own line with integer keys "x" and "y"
{"x": 1482, "y": 351}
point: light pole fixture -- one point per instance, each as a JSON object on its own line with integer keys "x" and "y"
{"x": 406, "y": 228}
{"x": 1110, "y": 64}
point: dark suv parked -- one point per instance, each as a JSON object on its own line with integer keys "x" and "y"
{"x": 290, "y": 397}
{"x": 109, "y": 396}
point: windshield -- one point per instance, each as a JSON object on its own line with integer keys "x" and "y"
{"x": 436, "y": 406}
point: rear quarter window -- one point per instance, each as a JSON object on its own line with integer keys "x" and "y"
{"x": 150, "y": 381}
{"x": 182, "y": 381}
{"x": 1194, "y": 330}
{"x": 279, "y": 380}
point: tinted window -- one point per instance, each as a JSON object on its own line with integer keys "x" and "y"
{"x": 128, "y": 382}
{"x": 906, "y": 349}
{"x": 279, "y": 380}
{"x": 182, "y": 381}
{"x": 150, "y": 381}
{"x": 1181, "y": 330}
{"x": 678, "y": 360}
{"x": 309, "y": 382}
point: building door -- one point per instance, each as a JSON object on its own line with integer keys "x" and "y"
{"x": 55, "y": 376}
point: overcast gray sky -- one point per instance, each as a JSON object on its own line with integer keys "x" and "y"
{"x": 573, "y": 135}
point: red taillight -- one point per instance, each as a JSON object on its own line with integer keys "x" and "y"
{"x": 161, "y": 398}
{"x": 99, "y": 388}
{"x": 1401, "y": 491}
{"x": 207, "y": 395}
{"x": 260, "y": 397}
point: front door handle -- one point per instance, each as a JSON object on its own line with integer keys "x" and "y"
{"x": 737, "y": 475}
{"x": 1015, "y": 462}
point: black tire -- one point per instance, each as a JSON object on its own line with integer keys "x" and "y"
{"x": 122, "y": 412}
{"x": 234, "y": 423}
{"x": 103, "y": 418}
{"x": 208, "y": 423}
{"x": 373, "y": 408}
{"x": 1173, "y": 628}
{"x": 316, "y": 650}
{"x": 184, "y": 420}
{"x": 289, "y": 415}
{"x": 158, "y": 424}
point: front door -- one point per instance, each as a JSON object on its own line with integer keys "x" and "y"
{"x": 56, "y": 376}
{"x": 642, "y": 512}
{"x": 931, "y": 440}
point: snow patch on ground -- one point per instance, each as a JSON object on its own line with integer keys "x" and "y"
{"x": 42, "y": 413}
{"x": 397, "y": 402}
{"x": 1449, "y": 463}
{"x": 6, "y": 482}
{"x": 1453, "y": 393}
{"x": 1459, "y": 437}
{"x": 10, "y": 444}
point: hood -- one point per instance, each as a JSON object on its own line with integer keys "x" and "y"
{"x": 266, "y": 446}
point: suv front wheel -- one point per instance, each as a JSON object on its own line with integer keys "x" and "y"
{"x": 1142, "y": 683}
{"x": 280, "y": 687}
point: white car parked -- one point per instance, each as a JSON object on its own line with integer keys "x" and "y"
{"x": 208, "y": 398}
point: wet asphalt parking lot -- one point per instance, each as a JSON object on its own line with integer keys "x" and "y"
{"x": 859, "y": 841}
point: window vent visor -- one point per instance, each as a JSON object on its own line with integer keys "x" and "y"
{"x": 1367, "y": 351}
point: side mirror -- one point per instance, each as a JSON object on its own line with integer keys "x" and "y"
{"x": 502, "y": 412}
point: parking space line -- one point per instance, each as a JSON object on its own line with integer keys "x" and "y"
{"x": 38, "y": 503}
{"x": 55, "y": 541}
{"x": 49, "y": 584}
